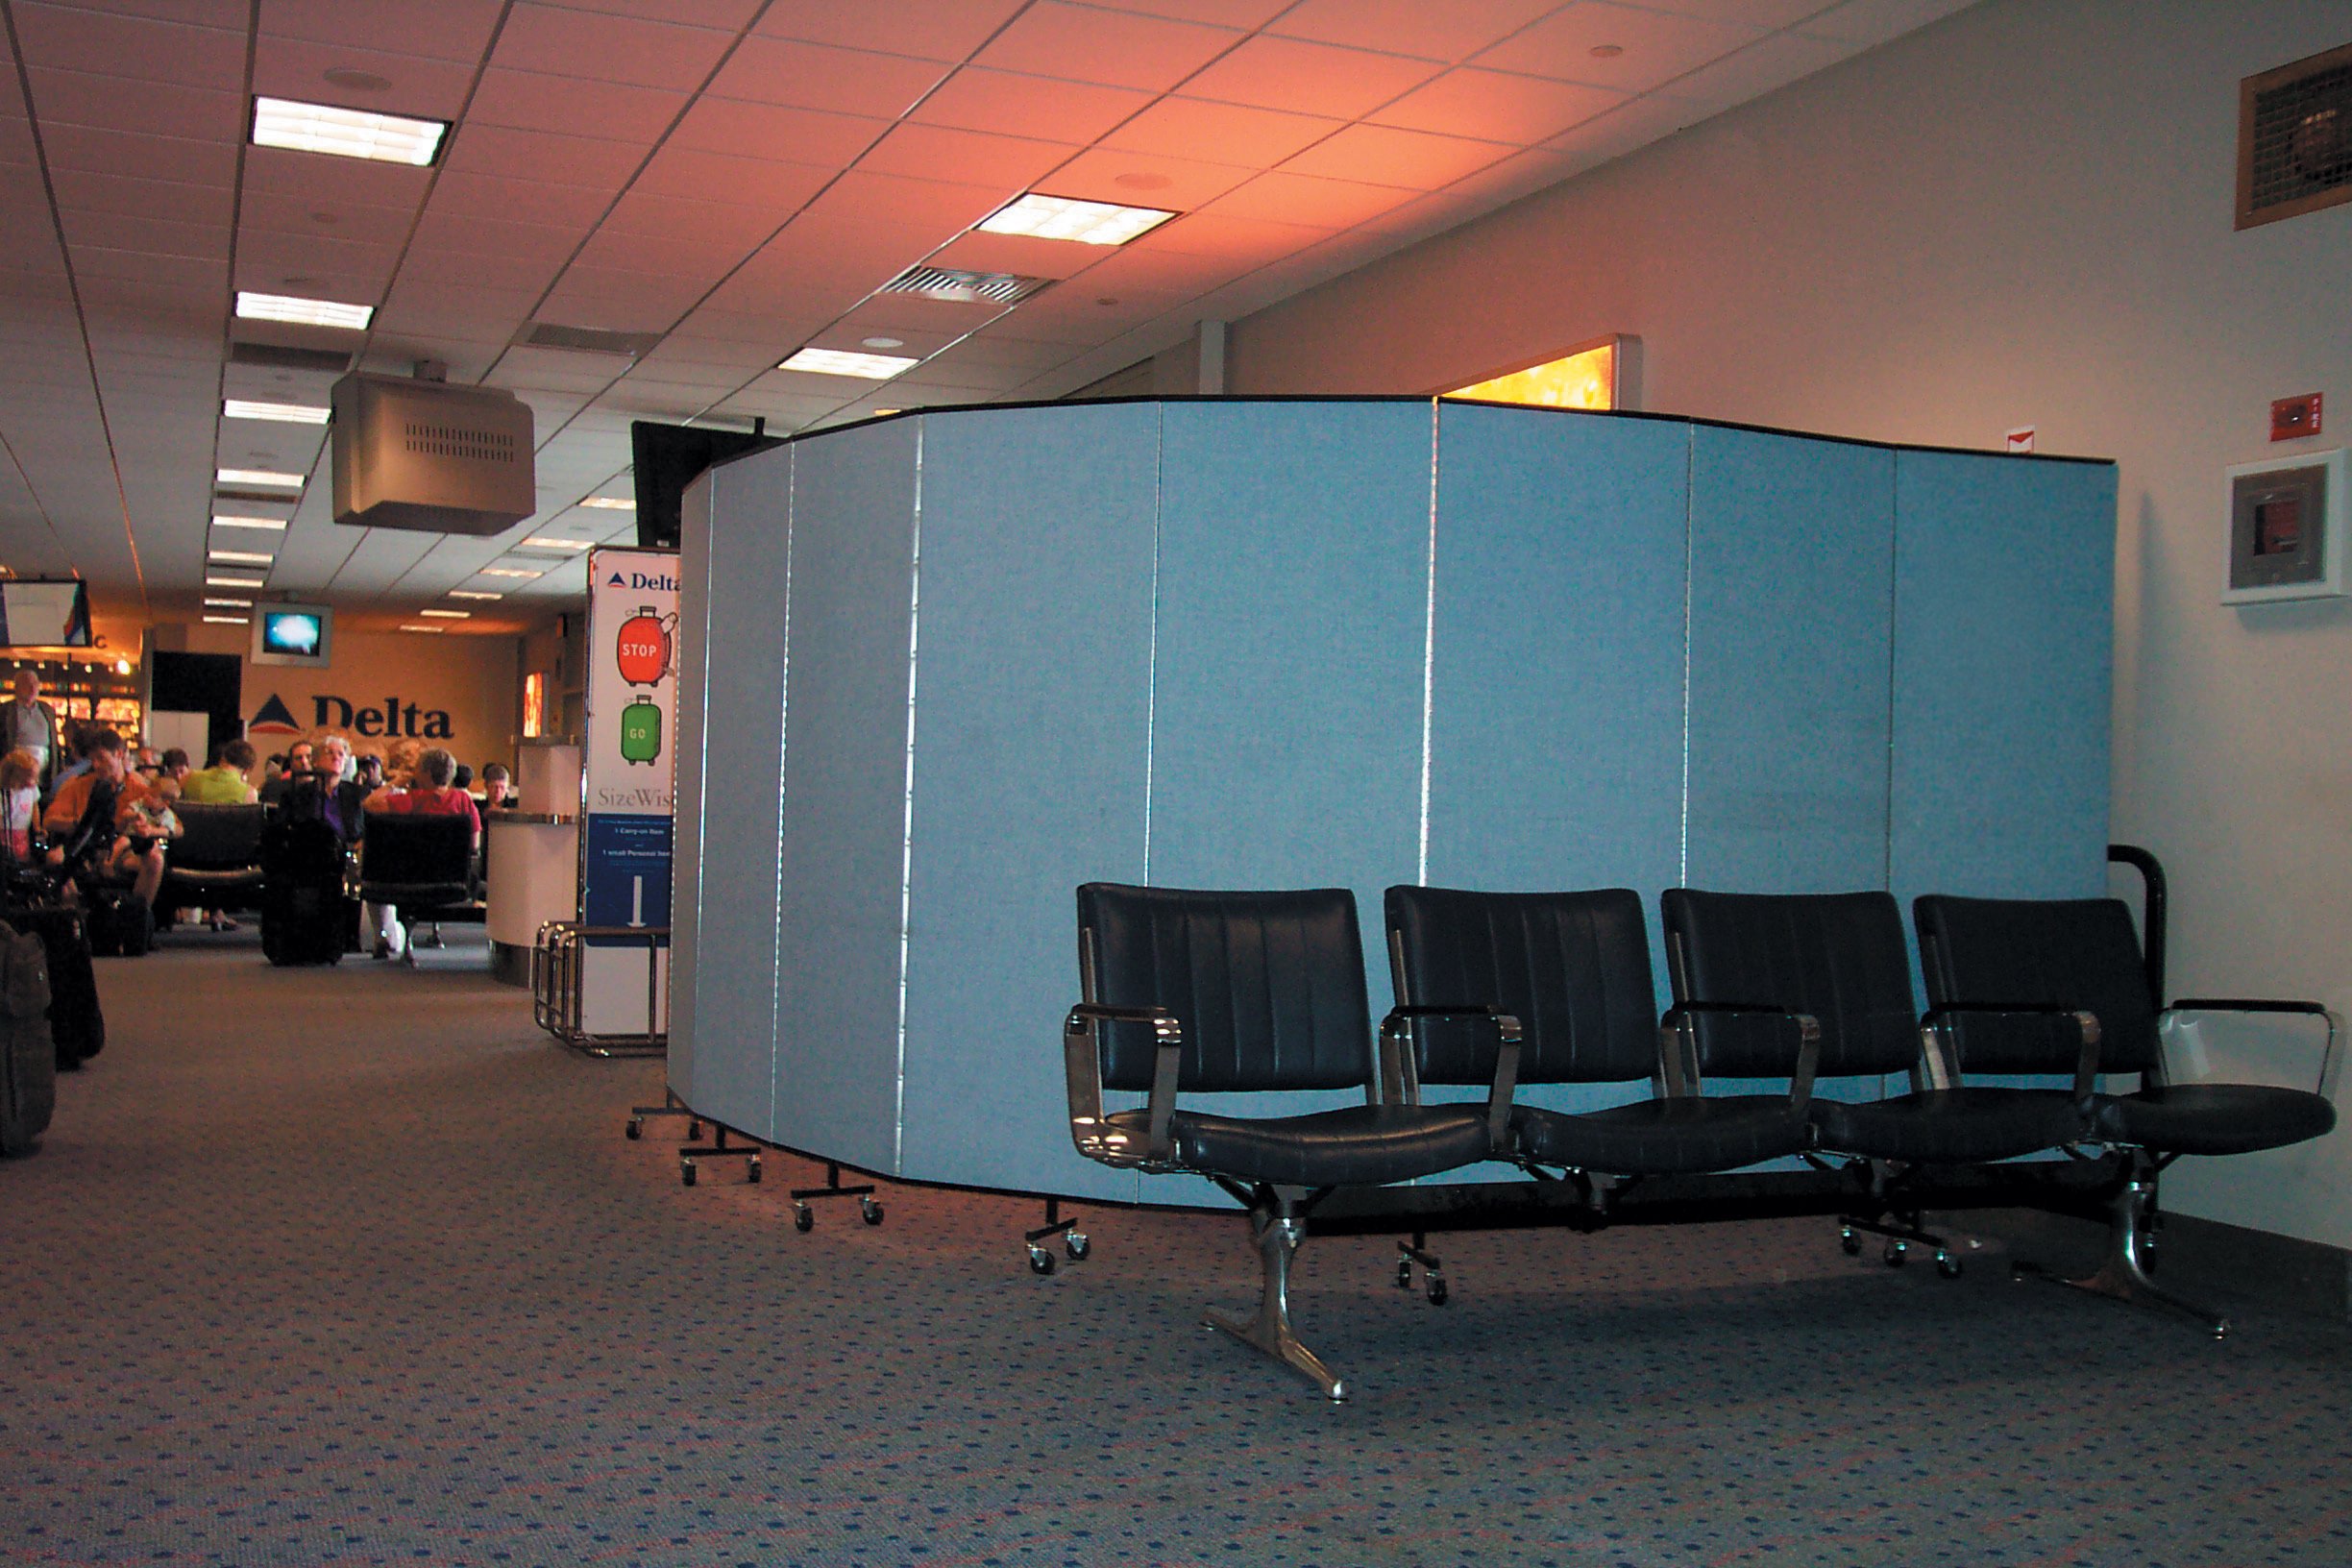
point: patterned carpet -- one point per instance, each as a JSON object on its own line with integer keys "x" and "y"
{"x": 350, "y": 1266}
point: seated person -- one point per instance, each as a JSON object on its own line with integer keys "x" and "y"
{"x": 150, "y": 821}
{"x": 369, "y": 776}
{"x": 223, "y": 784}
{"x": 176, "y": 766}
{"x": 497, "y": 789}
{"x": 92, "y": 809}
{"x": 298, "y": 762}
{"x": 432, "y": 791}
{"x": 19, "y": 807}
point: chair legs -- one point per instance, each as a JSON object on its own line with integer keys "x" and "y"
{"x": 2124, "y": 1274}
{"x": 1278, "y": 1231}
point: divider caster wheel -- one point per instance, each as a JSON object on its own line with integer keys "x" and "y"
{"x": 804, "y": 1218}
{"x": 751, "y": 1171}
{"x": 1041, "y": 1261}
{"x": 870, "y": 1211}
{"x": 1849, "y": 1242}
{"x": 635, "y": 1129}
{"x": 1946, "y": 1264}
{"x": 1076, "y": 1245}
{"x": 1437, "y": 1290}
{"x": 1404, "y": 1273}
{"x": 694, "y": 1131}
{"x": 686, "y": 1172}
{"x": 1897, "y": 1254}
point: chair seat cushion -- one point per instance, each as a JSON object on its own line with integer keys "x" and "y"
{"x": 1662, "y": 1136}
{"x": 205, "y": 876}
{"x": 1357, "y": 1145}
{"x": 2214, "y": 1118}
{"x": 1949, "y": 1125}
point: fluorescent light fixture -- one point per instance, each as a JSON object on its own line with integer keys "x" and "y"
{"x": 302, "y": 312}
{"x": 542, "y": 541}
{"x": 281, "y": 413}
{"x": 345, "y": 132}
{"x": 508, "y": 571}
{"x": 473, "y": 593}
{"x": 610, "y": 504}
{"x": 249, "y": 557}
{"x": 275, "y": 524}
{"x": 228, "y": 620}
{"x": 448, "y": 615}
{"x": 228, "y": 604}
{"x": 415, "y": 626}
{"x": 223, "y": 580}
{"x": 257, "y": 476}
{"x": 1062, "y": 217}
{"x": 871, "y": 367}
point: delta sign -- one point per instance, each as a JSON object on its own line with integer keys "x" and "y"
{"x": 395, "y": 720}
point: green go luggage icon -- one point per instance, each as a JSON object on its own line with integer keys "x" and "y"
{"x": 641, "y": 732}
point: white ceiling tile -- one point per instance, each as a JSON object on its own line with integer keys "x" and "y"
{"x": 106, "y": 151}
{"x": 1115, "y": 48}
{"x": 934, "y": 151}
{"x": 458, "y": 29}
{"x": 603, "y": 48}
{"x": 1177, "y": 184}
{"x": 723, "y": 13}
{"x": 684, "y": 173}
{"x": 1302, "y": 199}
{"x": 1498, "y": 105}
{"x": 1218, "y": 133}
{"x": 1241, "y": 243}
{"x": 943, "y": 30}
{"x": 147, "y": 109}
{"x": 1309, "y": 78}
{"x": 1657, "y": 46}
{"x": 456, "y": 273}
{"x": 179, "y": 272}
{"x": 1765, "y": 13}
{"x": 1008, "y": 102}
{"x": 326, "y": 180}
{"x": 591, "y": 163}
{"x": 457, "y": 194}
{"x": 132, "y": 48}
{"x": 1017, "y": 253}
{"x": 285, "y": 213}
{"x": 1760, "y": 68}
{"x": 79, "y": 190}
{"x": 1379, "y": 155}
{"x": 420, "y": 85}
{"x": 567, "y": 106}
{"x": 1873, "y": 23}
{"x": 770, "y": 70}
{"x": 1453, "y": 31}
{"x": 162, "y": 236}
{"x": 778, "y": 131}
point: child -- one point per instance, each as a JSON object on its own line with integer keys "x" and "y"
{"x": 146, "y": 816}
{"x": 19, "y": 805}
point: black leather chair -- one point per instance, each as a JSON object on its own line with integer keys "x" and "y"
{"x": 2083, "y": 954}
{"x": 1573, "y": 969}
{"x": 423, "y": 864}
{"x": 1739, "y": 960}
{"x": 217, "y": 861}
{"x": 1236, "y": 993}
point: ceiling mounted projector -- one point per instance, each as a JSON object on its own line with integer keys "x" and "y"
{"x": 429, "y": 457}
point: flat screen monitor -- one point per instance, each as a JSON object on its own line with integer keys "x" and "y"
{"x": 44, "y": 612}
{"x": 292, "y": 634}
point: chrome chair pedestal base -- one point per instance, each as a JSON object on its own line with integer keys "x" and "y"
{"x": 2124, "y": 1276}
{"x": 1278, "y": 1238}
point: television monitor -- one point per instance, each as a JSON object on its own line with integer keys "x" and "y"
{"x": 292, "y": 634}
{"x": 669, "y": 457}
{"x": 44, "y": 612}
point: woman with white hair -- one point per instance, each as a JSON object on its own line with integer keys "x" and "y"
{"x": 430, "y": 792}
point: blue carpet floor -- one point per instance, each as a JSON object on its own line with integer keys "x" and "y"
{"x": 351, "y": 1266}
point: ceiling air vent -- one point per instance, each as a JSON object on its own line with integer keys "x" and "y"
{"x": 277, "y": 356}
{"x": 965, "y": 288}
{"x": 546, "y": 334}
{"x": 2294, "y": 138}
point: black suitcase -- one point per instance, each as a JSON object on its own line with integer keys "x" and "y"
{"x": 28, "y": 1059}
{"x": 304, "y": 910}
{"x": 76, "y": 1022}
{"x": 121, "y": 924}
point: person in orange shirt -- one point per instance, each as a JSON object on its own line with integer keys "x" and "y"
{"x": 110, "y": 777}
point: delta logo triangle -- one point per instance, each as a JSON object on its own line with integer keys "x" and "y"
{"x": 273, "y": 719}
{"x": 618, "y": 581}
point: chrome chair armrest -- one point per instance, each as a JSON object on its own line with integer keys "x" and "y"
{"x": 2248, "y": 1004}
{"x": 1808, "y": 1042}
{"x": 2086, "y": 1065}
{"x": 1396, "y": 1060}
{"x": 1081, "y": 1073}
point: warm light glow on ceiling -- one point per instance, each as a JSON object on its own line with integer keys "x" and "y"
{"x": 223, "y": 580}
{"x": 228, "y": 604}
{"x": 544, "y": 540}
{"x": 228, "y": 620}
{"x": 345, "y": 132}
{"x": 1064, "y": 217}
{"x": 448, "y": 615}
{"x": 871, "y": 367}
{"x": 281, "y": 413}
{"x": 413, "y": 626}
{"x": 257, "y": 476}
{"x": 301, "y": 311}
{"x": 508, "y": 571}
{"x": 610, "y": 504}
{"x": 276, "y": 525}
{"x": 1583, "y": 379}
{"x": 473, "y": 593}
{"x": 247, "y": 558}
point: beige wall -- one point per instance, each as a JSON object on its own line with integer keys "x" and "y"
{"x": 470, "y": 679}
{"x": 2019, "y": 216}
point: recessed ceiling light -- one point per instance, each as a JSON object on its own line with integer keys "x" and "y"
{"x": 257, "y": 476}
{"x": 1607, "y": 51}
{"x": 301, "y": 311}
{"x": 228, "y": 620}
{"x": 611, "y": 503}
{"x": 508, "y": 571}
{"x": 473, "y": 593}
{"x": 228, "y": 604}
{"x": 249, "y": 557}
{"x": 415, "y": 626}
{"x": 541, "y": 540}
{"x": 871, "y": 367}
{"x": 276, "y": 525}
{"x": 345, "y": 132}
{"x": 283, "y": 413}
{"x": 883, "y": 342}
{"x": 448, "y": 615}
{"x": 1064, "y": 217}
{"x": 222, "y": 579}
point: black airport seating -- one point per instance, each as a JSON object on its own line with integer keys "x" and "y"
{"x": 1239, "y": 992}
{"x": 2083, "y": 954}
{"x": 424, "y": 866}
{"x": 1574, "y": 969}
{"x": 217, "y": 861}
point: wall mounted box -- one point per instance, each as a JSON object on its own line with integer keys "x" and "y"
{"x": 431, "y": 456}
{"x": 2287, "y": 529}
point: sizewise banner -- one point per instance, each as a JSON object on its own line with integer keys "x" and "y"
{"x": 632, "y": 726}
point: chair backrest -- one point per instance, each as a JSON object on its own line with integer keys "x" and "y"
{"x": 2068, "y": 952}
{"x": 218, "y": 838}
{"x": 1269, "y": 987}
{"x": 1838, "y": 956}
{"x": 1573, "y": 968}
{"x": 417, "y": 850}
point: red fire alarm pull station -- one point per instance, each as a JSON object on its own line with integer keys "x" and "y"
{"x": 2293, "y": 418}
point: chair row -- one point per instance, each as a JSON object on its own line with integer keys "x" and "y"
{"x": 1190, "y": 992}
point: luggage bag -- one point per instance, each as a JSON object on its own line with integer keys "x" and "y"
{"x": 28, "y": 1058}
{"x": 305, "y": 912}
{"x": 76, "y": 1023}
